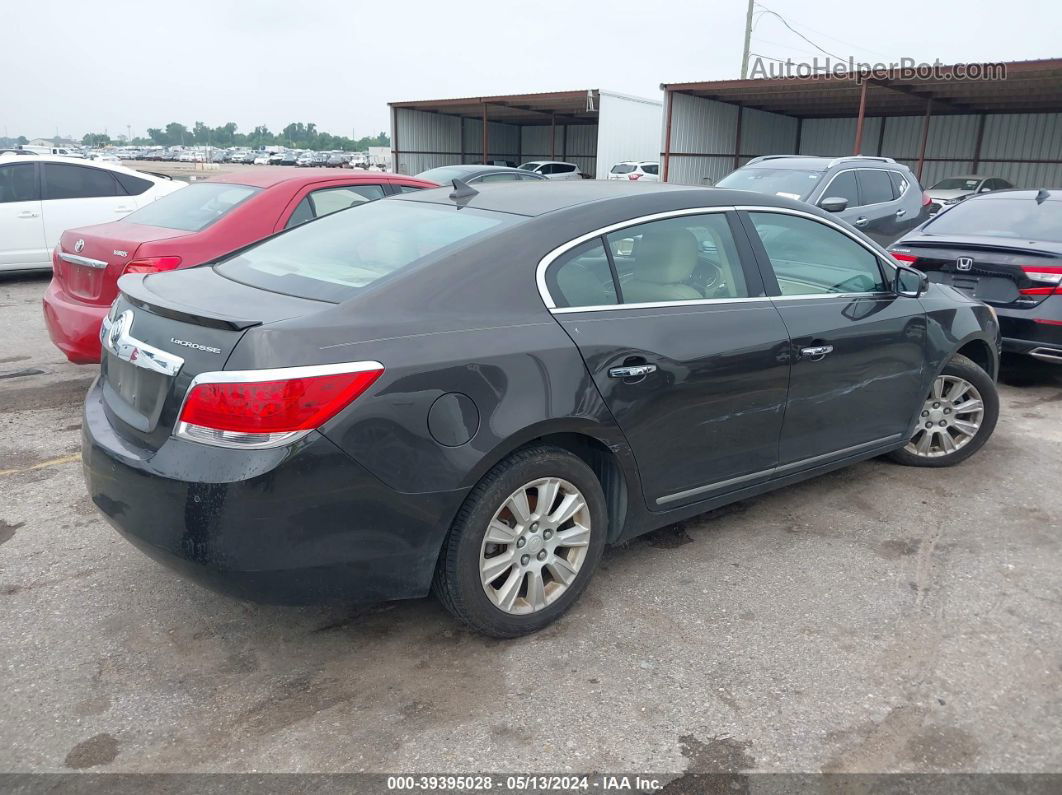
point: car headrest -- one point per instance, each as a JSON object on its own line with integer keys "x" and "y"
{"x": 665, "y": 257}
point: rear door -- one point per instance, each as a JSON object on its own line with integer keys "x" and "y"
{"x": 881, "y": 206}
{"x": 80, "y": 195}
{"x": 684, "y": 347}
{"x": 858, "y": 349}
{"x": 22, "y": 242}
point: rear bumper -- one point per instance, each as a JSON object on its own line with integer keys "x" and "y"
{"x": 73, "y": 326}
{"x": 1035, "y": 332}
{"x": 295, "y": 525}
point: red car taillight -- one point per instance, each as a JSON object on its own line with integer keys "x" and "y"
{"x": 269, "y": 407}
{"x": 1049, "y": 278}
{"x": 634, "y": 175}
{"x": 153, "y": 265}
{"x": 926, "y": 199}
{"x": 906, "y": 259}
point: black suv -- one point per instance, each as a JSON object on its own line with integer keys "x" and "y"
{"x": 877, "y": 195}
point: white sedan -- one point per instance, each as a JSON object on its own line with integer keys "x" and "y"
{"x": 553, "y": 169}
{"x": 41, "y": 197}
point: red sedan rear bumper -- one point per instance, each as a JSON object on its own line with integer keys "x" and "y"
{"x": 73, "y": 326}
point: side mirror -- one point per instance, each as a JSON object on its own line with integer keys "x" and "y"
{"x": 834, "y": 204}
{"x": 985, "y": 189}
{"x": 909, "y": 282}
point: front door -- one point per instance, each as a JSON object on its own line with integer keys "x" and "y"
{"x": 21, "y": 220}
{"x": 858, "y": 348}
{"x": 685, "y": 349}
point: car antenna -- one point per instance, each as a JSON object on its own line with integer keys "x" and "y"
{"x": 1042, "y": 195}
{"x": 462, "y": 190}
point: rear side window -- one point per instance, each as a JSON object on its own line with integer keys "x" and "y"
{"x": 582, "y": 277}
{"x": 811, "y": 258}
{"x": 330, "y": 200}
{"x": 134, "y": 186}
{"x": 899, "y": 183}
{"x": 77, "y": 182}
{"x": 875, "y": 186}
{"x": 338, "y": 256}
{"x": 18, "y": 183}
{"x": 193, "y": 208}
{"x": 651, "y": 168}
{"x": 501, "y": 177}
{"x": 408, "y": 188}
{"x": 843, "y": 187}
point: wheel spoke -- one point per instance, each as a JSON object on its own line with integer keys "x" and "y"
{"x": 500, "y": 533}
{"x": 561, "y": 569}
{"x": 547, "y": 495}
{"x": 969, "y": 406}
{"x": 938, "y": 388}
{"x": 492, "y": 568}
{"x": 958, "y": 389}
{"x": 570, "y": 505}
{"x": 536, "y": 589}
{"x": 574, "y": 536}
{"x": 519, "y": 506}
{"x": 924, "y": 442}
{"x": 510, "y": 590}
{"x": 964, "y": 427}
{"x": 947, "y": 442}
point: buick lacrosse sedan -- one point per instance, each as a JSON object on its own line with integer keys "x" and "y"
{"x": 473, "y": 392}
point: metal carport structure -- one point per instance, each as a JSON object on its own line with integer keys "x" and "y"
{"x": 580, "y": 127}
{"x": 939, "y": 126}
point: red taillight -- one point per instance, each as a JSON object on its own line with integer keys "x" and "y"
{"x": 926, "y": 199}
{"x": 1049, "y": 277}
{"x": 634, "y": 175}
{"x": 237, "y": 410}
{"x": 152, "y": 265}
{"x": 907, "y": 259}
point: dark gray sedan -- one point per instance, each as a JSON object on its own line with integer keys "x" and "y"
{"x": 476, "y": 391}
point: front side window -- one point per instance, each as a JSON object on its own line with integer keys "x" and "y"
{"x": 811, "y": 258}
{"x": 18, "y": 183}
{"x": 687, "y": 258}
{"x": 843, "y": 186}
{"x": 582, "y": 277}
{"x": 342, "y": 254}
{"x": 193, "y": 208}
{"x": 528, "y": 166}
{"x": 77, "y": 182}
{"x": 875, "y": 186}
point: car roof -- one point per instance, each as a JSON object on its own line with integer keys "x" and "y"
{"x": 1024, "y": 194}
{"x": 268, "y": 177}
{"x": 475, "y": 170}
{"x": 549, "y": 195}
{"x": 76, "y": 161}
{"x": 823, "y": 163}
{"x": 967, "y": 176}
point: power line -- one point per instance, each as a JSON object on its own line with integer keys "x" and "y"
{"x": 764, "y": 10}
{"x": 782, "y": 19}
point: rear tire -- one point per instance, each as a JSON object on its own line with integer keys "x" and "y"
{"x": 512, "y": 565}
{"x": 956, "y": 420}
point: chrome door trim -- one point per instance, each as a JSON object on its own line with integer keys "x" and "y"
{"x": 88, "y": 262}
{"x": 546, "y": 261}
{"x": 116, "y": 339}
{"x": 775, "y": 472}
{"x": 567, "y": 310}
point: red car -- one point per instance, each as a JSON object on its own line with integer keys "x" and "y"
{"x": 189, "y": 227}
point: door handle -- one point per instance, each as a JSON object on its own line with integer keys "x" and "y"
{"x": 632, "y": 371}
{"x": 901, "y": 213}
{"x": 815, "y": 352}
{"x": 861, "y": 222}
{"x": 28, "y": 214}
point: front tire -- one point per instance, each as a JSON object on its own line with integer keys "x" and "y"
{"x": 525, "y": 544}
{"x": 957, "y": 418}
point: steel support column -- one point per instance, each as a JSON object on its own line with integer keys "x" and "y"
{"x": 737, "y": 138}
{"x": 553, "y": 136}
{"x": 858, "y": 148}
{"x": 667, "y": 134}
{"x": 980, "y": 139}
{"x": 925, "y": 138}
{"x": 486, "y": 136}
{"x": 394, "y": 139}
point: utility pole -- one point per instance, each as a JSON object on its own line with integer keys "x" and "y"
{"x": 748, "y": 37}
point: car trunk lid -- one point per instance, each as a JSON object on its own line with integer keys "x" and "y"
{"x": 985, "y": 268}
{"x": 89, "y": 261}
{"x": 165, "y": 331}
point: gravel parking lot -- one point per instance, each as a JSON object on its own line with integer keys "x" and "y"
{"x": 878, "y": 618}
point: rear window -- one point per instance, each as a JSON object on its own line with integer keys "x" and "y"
{"x": 787, "y": 182}
{"x": 338, "y": 256}
{"x": 193, "y": 208}
{"x": 623, "y": 168}
{"x": 1017, "y": 219}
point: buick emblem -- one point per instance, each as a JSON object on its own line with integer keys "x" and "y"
{"x": 116, "y": 330}
{"x": 964, "y": 263}
{"x": 80, "y": 244}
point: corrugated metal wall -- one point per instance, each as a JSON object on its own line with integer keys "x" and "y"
{"x": 426, "y": 140}
{"x": 628, "y": 129}
{"x": 708, "y": 129}
{"x": 704, "y": 132}
{"x": 575, "y": 143}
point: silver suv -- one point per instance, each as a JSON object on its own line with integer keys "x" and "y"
{"x": 876, "y": 195}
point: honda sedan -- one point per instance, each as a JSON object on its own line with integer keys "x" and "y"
{"x": 476, "y": 391}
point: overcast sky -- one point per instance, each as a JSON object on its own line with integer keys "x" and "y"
{"x": 81, "y": 67}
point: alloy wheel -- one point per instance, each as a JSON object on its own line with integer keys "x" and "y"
{"x": 950, "y": 418}
{"x": 535, "y": 546}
